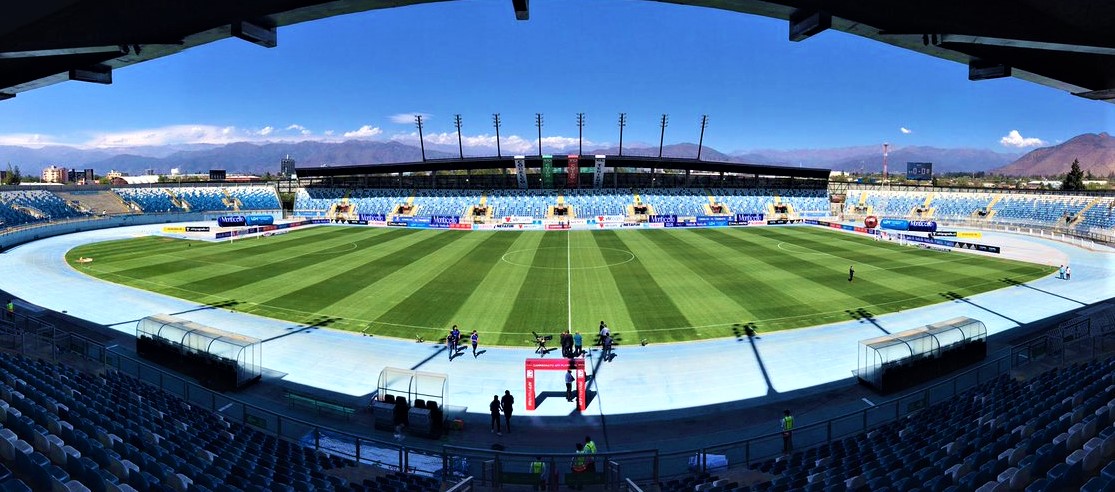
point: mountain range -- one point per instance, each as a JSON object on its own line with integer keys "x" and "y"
{"x": 1096, "y": 153}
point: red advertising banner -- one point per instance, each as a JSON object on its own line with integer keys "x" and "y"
{"x": 573, "y": 172}
{"x": 577, "y": 365}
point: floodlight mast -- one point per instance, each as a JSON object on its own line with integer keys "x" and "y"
{"x": 662, "y": 136}
{"x": 701, "y": 140}
{"x": 496, "y": 122}
{"x": 580, "y": 132}
{"x": 538, "y": 123}
{"x": 460, "y": 146}
{"x": 622, "y": 123}
{"x": 421, "y": 143}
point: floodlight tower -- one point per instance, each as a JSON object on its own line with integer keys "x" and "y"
{"x": 495, "y": 121}
{"x": 421, "y": 143}
{"x": 622, "y": 123}
{"x": 701, "y": 141}
{"x": 886, "y": 148}
{"x": 460, "y": 146}
{"x": 538, "y": 123}
{"x": 662, "y": 136}
{"x": 580, "y": 131}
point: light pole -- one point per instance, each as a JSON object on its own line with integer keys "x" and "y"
{"x": 538, "y": 123}
{"x": 460, "y": 147}
{"x": 701, "y": 141}
{"x": 580, "y": 132}
{"x": 421, "y": 143}
{"x": 496, "y": 122}
{"x": 622, "y": 123}
{"x": 662, "y": 136}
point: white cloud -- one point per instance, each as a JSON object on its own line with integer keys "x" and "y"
{"x": 34, "y": 140}
{"x": 905, "y": 131}
{"x": 329, "y": 132}
{"x": 301, "y": 129}
{"x": 266, "y": 130}
{"x": 485, "y": 143}
{"x": 408, "y": 118}
{"x": 1015, "y": 139}
{"x": 366, "y": 131}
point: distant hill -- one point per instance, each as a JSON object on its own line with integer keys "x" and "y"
{"x": 261, "y": 158}
{"x": 1096, "y": 153}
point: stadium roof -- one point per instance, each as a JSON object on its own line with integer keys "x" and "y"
{"x": 1064, "y": 44}
{"x": 534, "y": 161}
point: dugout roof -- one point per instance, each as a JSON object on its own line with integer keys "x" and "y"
{"x": 1065, "y": 44}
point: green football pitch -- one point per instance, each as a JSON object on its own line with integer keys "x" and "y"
{"x": 658, "y": 285}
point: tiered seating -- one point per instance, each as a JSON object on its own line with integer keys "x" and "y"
{"x": 805, "y": 201}
{"x": 959, "y": 205}
{"x": 316, "y": 201}
{"x": 26, "y": 206}
{"x": 150, "y": 200}
{"x": 1048, "y": 209}
{"x": 378, "y": 201}
{"x": 532, "y": 203}
{"x": 445, "y": 202}
{"x": 1053, "y": 432}
{"x": 744, "y": 200}
{"x": 587, "y": 203}
{"x": 1100, "y": 216}
{"x": 256, "y": 197}
{"x": 682, "y": 201}
{"x": 62, "y": 428}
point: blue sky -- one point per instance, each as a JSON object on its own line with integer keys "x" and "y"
{"x": 364, "y": 75}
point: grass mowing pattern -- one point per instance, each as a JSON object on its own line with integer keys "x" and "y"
{"x": 663, "y": 285}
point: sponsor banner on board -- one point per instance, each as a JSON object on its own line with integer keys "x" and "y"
{"x": 978, "y": 247}
{"x": 372, "y": 217}
{"x": 173, "y": 229}
{"x": 749, "y": 217}
{"x": 777, "y": 222}
{"x": 462, "y": 227}
{"x": 197, "y": 228}
{"x": 395, "y": 223}
{"x": 518, "y": 219}
{"x": 484, "y": 227}
{"x": 969, "y": 234}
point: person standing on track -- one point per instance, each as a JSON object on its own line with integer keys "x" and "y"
{"x": 475, "y": 339}
{"x": 494, "y": 407}
{"x": 507, "y": 403}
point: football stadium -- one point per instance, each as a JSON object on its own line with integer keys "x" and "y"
{"x": 556, "y": 322}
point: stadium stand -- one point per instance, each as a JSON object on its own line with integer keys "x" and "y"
{"x": 27, "y": 206}
{"x": 445, "y": 202}
{"x": 201, "y": 199}
{"x": 64, "y": 429}
{"x": 1051, "y": 432}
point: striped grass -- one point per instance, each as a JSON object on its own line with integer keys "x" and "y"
{"x": 661, "y": 285}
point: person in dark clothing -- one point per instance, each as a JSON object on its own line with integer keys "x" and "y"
{"x": 568, "y": 385}
{"x": 507, "y": 402}
{"x": 495, "y": 408}
{"x": 475, "y": 339}
{"x": 851, "y": 272}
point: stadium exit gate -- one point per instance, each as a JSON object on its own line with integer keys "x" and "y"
{"x": 577, "y": 365}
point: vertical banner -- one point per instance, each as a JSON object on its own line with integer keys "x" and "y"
{"x": 598, "y": 176}
{"x": 573, "y": 174}
{"x": 548, "y": 171}
{"x": 521, "y": 171}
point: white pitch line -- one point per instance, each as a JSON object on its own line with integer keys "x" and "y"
{"x": 569, "y": 281}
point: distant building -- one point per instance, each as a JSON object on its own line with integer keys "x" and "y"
{"x": 54, "y": 174}
{"x": 286, "y": 166}
{"x": 112, "y": 175}
{"x": 82, "y": 177}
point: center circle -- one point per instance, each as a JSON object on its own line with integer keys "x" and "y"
{"x": 608, "y": 257}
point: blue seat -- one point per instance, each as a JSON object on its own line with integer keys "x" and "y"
{"x": 1097, "y": 484}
